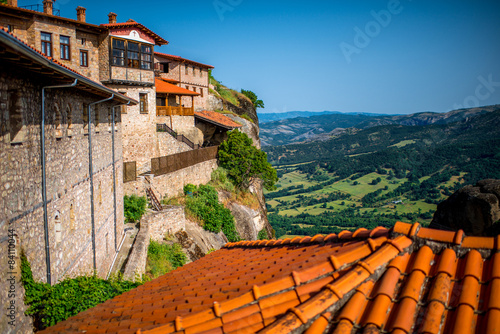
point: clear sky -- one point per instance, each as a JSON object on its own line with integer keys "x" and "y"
{"x": 384, "y": 56}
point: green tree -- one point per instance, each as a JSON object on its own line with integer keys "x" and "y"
{"x": 253, "y": 97}
{"x": 245, "y": 162}
{"x": 3, "y": 2}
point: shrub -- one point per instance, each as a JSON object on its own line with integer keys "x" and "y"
{"x": 244, "y": 162}
{"x": 253, "y": 97}
{"x": 189, "y": 188}
{"x": 263, "y": 234}
{"x": 163, "y": 258}
{"x": 205, "y": 206}
{"x": 220, "y": 180}
{"x": 134, "y": 207}
{"x": 52, "y": 304}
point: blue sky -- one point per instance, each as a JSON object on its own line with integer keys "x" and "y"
{"x": 376, "y": 56}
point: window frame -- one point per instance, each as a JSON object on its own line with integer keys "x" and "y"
{"x": 86, "y": 62}
{"x": 143, "y": 103}
{"x": 131, "y": 57}
{"x": 46, "y": 45}
{"x": 64, "y": 48}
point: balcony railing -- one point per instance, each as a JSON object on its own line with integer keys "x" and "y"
{"x": 174, "y": 111}
{"x": 39, "y": 8}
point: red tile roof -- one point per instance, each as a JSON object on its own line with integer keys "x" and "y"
{"x": 158, "y": 39}
{"x": 180, "y": 59}
{"x": 168, "y": 88}
{"x": 217, "y": 119}
{"x": 62, "y": 70}
{"x": 403, "y": 280}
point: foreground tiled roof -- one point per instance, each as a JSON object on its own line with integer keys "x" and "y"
{"x": 168, "y": 88}
{"x": 217, "y": 119}
{"x": 408, "y": 279}
{"x": 180, "y": 59}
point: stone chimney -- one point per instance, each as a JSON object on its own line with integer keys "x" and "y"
{"x": 48, "y": 6}
{"x": 12, "y": 3}
{"x": 112, "y": 17}
{"x": 80, "y": 13}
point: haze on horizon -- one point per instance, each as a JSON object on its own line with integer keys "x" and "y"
{"x": 379, "y": 56}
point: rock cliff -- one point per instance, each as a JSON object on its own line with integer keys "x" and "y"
{"x": 474, "y": 209}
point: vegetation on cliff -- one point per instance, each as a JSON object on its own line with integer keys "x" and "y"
{"x": 51, "y": 304}
{"x": 245, "y": 163}
{"x": 163, "y": 258}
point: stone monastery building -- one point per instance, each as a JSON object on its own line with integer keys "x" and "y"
{"x": 85, "y": 109}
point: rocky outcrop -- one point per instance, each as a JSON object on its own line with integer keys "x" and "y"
{"x": 474, "y": 209}
{"x": 245, "y": 107}
{"x": 249, "y": 128}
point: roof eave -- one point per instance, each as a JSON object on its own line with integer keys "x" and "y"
{"x": 23, "y": 49}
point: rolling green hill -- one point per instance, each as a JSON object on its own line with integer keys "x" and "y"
{"x": 375, "y": 176}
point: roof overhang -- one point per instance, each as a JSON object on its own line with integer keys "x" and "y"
{"x": 20, "y": 54}
{"x": 164, "y": 87}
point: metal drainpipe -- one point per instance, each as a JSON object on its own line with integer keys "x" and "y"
{"x": 114, "y": 172}
{"x": 91, "y": 173}
{"x": 44, "y": 180}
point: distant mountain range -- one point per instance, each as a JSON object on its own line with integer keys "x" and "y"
{"x": 270, "y": 117}
{"x": 326, "y": 125}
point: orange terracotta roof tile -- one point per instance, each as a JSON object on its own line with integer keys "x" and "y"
{"x": 158, "y": 40}
{"x": 226, "y": 122}
{"x": 164, "y": 87}
{"x": 402, "y": 280}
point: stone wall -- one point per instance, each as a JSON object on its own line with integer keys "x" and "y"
{"x": 139, "y": 130}
{"x": 177, "y": 122}
{"x": 172, "y": 184}
{"x": 191, "y": 77}
{"x": 68, "y": 182}
{"x": 154, "y": 226}
{"x": 67, "y": 178}
{"x": 168, "y": 145}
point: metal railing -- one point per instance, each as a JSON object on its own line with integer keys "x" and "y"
{"x": 39, "y": 8}
{"x": 181, "y": 138}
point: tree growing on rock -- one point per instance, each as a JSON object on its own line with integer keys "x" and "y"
{"x": 244, "y": 162}
{"x": 253, "y": 97}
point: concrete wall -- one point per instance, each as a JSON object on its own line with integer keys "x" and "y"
{"x": 68, "y": 182}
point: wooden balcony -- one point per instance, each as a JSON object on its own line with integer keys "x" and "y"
{"x": 174, "y": 111}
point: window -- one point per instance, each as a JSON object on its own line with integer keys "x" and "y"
{"x": 201, "y": 92}
{"x": 83, "y": 40}
{"x": 118, "y": 52}
{"x": 9, "y": 28}
{"x": 146, "y": 57}
{"x": 187, "y": 87}
{"x": 84, "y": 58}
{"x": 194, "y": 71}
{"x": 46, "y": 43}
{"x": 186, "y": 68}
{"x": 133, "y": 55}
{"x": 64, "y": 44}
{"x": 143, "y": 100}
{"x": 165, "y": 67}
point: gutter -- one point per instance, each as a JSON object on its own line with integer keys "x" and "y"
{"x": 91, "y": 173}
{"x": 44, "y": 180}
{"x": 27, "y": 51}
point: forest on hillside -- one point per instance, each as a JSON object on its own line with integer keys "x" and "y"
{"x": 361, "y": 178}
